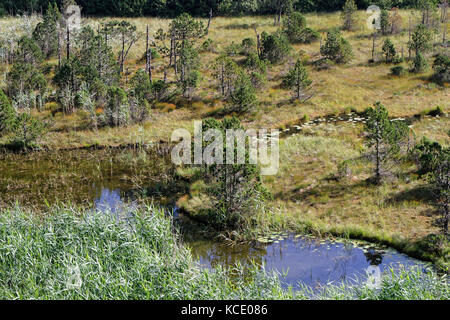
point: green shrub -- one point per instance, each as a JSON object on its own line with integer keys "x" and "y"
{"x": 441, "y": 67}
{"x": 398, "y": 60}
{"x": 420, "y": 64}
{"x": 160, "y": 90}
{"x": 336, "y": 48}
{"x": 26, "y": 131}
{"x": 153, "y": 53}
{"x": 294, "y": 27}
{"x": 248, "y": 46}
{"x": 308, "y": 35}
{"x": 233, "y": 49}
{"x": 209, "y": 45}
{"x": 243, "y": 98}
{"x": 398, "y": 71}
{"x": 257, "y": 69}
{"x": 426, "y": 153}
{"x": 389, "y": 50}
{"x": 275, "y": 47}
{"x": 117, "y": 110}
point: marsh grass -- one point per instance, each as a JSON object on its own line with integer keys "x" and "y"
{"x": 76, "y": 254}
{"x": 72, "y": 253}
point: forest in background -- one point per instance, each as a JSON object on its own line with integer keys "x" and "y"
{"x": 171, "y": 8}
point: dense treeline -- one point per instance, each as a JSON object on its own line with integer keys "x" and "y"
{"x": 173, "y": 8}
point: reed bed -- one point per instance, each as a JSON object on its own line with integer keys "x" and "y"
{"x": 72, "y": 253}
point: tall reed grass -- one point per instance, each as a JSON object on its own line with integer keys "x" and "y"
{"x": 71, "y": 253}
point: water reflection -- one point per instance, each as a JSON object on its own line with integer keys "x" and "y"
{"x": 109, "y": 200}
{"x": 304, "y": 260}
{"x": 374, "y": 257}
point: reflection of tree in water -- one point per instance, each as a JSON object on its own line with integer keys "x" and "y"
{"x": 341, "y": 264}
{"x": 374, "y": 257}
{"x": 222, "y": 254}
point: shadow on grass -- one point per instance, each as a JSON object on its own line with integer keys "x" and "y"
{"x": 330, "y": 190}
{"x": 421, "y": 193}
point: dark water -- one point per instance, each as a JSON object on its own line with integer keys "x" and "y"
{"x": 80, "y": 176}
{"x": 307, "y": 260}
{"x": 112, "y": 178}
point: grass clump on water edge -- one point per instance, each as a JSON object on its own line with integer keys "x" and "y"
{"x": 72, "y": 253}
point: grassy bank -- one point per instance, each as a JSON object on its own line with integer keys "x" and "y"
{"x": 70, "y": 253}
{"x": 310, "y": 197}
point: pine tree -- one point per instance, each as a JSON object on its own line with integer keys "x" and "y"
{"x": 440, "y": 180}
{"x": 336, "y": 48}
{"x": 389, "y": 50}
{"x": 243, "y": 98}
{"x": 385, "y": 22}
{"x": 235, "y": 189}
{"x": 188, "y": 65}
{"x": 421, "y": 40}
{"x": 274, "y": 47}
{"x": 117, "y": 110}
{"x": 294, "y": 27}
{"x": 226, "y": 72}
{"x": 348, "y": 14}
{"x": 47, "y": 32}
{"x": 297, "y": 79}
{"x": 420, "y": 64}
{"x": 384, "y": 139}
{"x": 26, "y": 130}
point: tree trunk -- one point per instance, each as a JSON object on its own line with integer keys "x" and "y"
{"x": 444, "y": 21}
{"x": 146, "y": 52}
{"x": 68, "y": 44}
{"x": 223, "y": 80}
{"x": 171, "y": 52}
{"x": 409, "y": 47}
{"x": 59, "y": 49}
{"x": 373, "y": 47}
{"x": 175, "y": 61}
{"x": 377, "y": 168}
{"x": 258, "y": 42}
{"x": 209, "y": 20}
{"x": 148, "y": 64}
{"x": 123, "y": 53}
{"x": 150, "y": 75}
